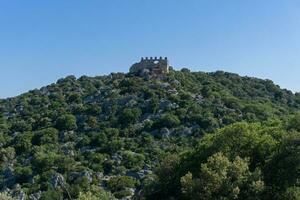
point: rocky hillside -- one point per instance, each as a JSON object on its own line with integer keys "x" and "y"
{"x": 107, "y": 134}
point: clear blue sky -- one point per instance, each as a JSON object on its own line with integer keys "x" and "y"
{"x": 41, "y": 41}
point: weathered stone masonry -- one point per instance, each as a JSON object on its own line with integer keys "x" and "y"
{"x": 154, "y": 66}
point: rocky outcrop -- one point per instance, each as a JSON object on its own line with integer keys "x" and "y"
{"x": 57, "y": 181}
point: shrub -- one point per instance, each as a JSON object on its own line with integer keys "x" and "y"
{"x": 66, "y": 122}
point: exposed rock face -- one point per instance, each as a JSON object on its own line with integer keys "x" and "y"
{"x": 165, "y": 132}
{"x": 57, "y": 181}
{"x": 167, "y": 105}
{"x": 17, "y": 192}
{"x": 85, "y": 174}
{"x": 153, "y": 66}
{"x": 186, "y": 131}
{"x": 35, "y": 196}
{"x": 139, "y": 174}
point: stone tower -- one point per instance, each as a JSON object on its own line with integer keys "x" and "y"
{"x": 153, "y": 66}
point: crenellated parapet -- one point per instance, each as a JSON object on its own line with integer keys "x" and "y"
{"x": 153, "y": 59}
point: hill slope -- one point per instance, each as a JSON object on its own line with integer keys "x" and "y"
{"x": 112, "y": 131}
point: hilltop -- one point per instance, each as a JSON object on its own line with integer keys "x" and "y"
{"x": 109, "y": 134}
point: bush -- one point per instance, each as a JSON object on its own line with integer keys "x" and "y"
{"x": 21, "y": 126}
{"x": 66, "y": 122}
{"x": 52, "y": 194}
{"x": 120, "y": 183}
{"x": 130, "y": 115}
{"x": 168, "y": 120}
{"x": 4, "y": 196}
{"x": 221, "y": 178}
{"x": 46, "y": 136}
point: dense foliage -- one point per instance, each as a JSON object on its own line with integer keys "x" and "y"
{"x": 240, "y": 161}
{"x": 187, "y": 135}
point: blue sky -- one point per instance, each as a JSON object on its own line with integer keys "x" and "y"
{"x": 41, "y": 41}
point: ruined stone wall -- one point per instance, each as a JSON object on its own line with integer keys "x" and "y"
{"x": 153, "y": 65}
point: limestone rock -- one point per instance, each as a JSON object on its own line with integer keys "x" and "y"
{"x": 57, "y": 181}
{"x": 35, "y": 196}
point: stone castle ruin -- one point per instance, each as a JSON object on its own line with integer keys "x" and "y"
{"x": 151, "y": 66}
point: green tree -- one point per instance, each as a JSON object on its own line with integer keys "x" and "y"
{"x": 23, "y": 143}
{"x": 21, "y": 126}
{"x": 241, "y": 139}
{"x": 291, "y": 193}
{"x": 96, "y": 193}
{"x": 169, "y": 121}
{"x": 283, "y": 170}
{"x": 66, "y": 122}
{"x": 294, "y": 123}
{"x": 122, "y": 183}
{"x": 130, "y": 115}
{"x": 4, "y": 196}
{"x": 221, "y": 178}
{"x": 164, "y": 185}
{"x": 23, "y": 174}
{"x": 46, "y": 136}
{"x": 52, "y": 194}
